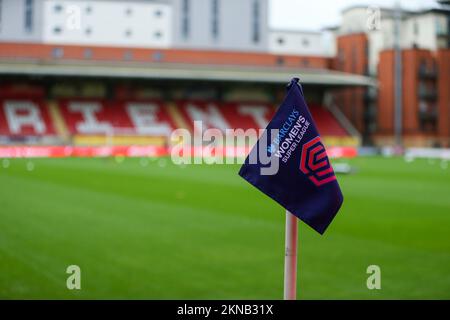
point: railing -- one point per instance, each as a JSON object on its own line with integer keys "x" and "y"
{"x": 427, "y": 93}
{"x": 426, "y": 72}
{"x": 342, "y": 119}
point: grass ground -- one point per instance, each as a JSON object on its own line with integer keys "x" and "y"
{"x": 149, "y": 229}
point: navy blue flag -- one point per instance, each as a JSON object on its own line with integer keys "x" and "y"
{"x": 289, "y": 163}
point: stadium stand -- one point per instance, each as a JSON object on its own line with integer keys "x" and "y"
{"x": 25, "y": 117}
{"x": 92, "y": 117}
{"x": 328, "y": 125}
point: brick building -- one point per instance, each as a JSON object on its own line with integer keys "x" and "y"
{"x": 367, "y": 49}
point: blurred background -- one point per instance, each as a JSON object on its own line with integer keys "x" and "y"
{"x": 90, "y": 92}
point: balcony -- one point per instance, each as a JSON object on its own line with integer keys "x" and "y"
{"x": 370, "y": 114}
{"x": 370, "y": 96}
{"x": 428, "y": 120}
{"x": 428, "y": 72}
{"x": 427, "y": 94}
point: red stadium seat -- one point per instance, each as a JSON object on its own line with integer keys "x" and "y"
{"x": 25, "y": 117}
{"x": 326, "y": 122}
{"x": 152, "y": 118}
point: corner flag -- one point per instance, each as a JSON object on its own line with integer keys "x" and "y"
{"x": 304, "y": 182}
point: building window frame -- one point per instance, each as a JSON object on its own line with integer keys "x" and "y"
{"x": 58, "y": 8}
{"x": 185, "y": 10}
{"x": 88, "y": 53}
{"x": 1, "y": 10}
{"x": 416, "y": 28}
{"x": 57, "y": 30}
{"x": 57, "y": 52}
{"x": 305, "y": 42}
{"x": 256, "y": 13}
{"x": 158, "y": 34}
{"x": 215, "y": 19}
{"x": 28, "y": 15}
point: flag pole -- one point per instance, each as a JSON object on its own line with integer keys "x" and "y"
{"x": 290, "y": 259}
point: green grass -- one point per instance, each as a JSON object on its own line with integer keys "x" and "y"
{"x": 201, "y": 232}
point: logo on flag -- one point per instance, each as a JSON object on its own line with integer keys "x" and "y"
{"x": 314, "y": 163}
{"x": 304, "y": 183}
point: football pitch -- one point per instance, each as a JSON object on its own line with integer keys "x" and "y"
{"x": 148, "y": 229}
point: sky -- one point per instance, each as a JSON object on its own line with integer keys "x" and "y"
{"x": 316, "y": 14}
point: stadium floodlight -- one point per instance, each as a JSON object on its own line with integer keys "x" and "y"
{"x": 304, "y": 183}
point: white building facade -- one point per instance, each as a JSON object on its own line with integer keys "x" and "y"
{"x": 240, "y": 25}
{"x": 290, "y": 42}
{"x": 221, "y": 24}
{"x": 427, "y": 29}
{"x": 192, "y": 24}
{"x": 107, "y": 23}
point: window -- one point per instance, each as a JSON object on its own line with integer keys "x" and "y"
{"x": 255, "y": 22}
{"x": 87, "y": 53}
{"x": 128, "y": 55}
{"x": 280, "y": 41}
{"x": 305, "y": 42}
{"x": 88, "y": 9}
{"x": 448, "y": 31}
{"x": 416, "y": 27}
{"x": 280, "y": 61}
{"x": 88, "y": 31}
{"x": 158, "y": 13}
{"x": 185, "y": 19}
{"x": 1, "y": 5}
{"x": 129, "y": 11}
{"x": 423, "y": 63}
{"x": 157, "y": 56}
{"x": 158, "y": 34}
{"x": 341, "y": 54}
{"x": 354, "y": 60}
{"x": 128, "y": 33}
{"x": 57, "y": 52}
{"x": 341, "y": 59}
{"x": 215, "y": 19}
{"x": 29, "y": 15}
{"x": 440, "y": 27}
{"x": 58, "y": 8}
{"x": 57, "y": 30}
{"x": 305, "y": 62}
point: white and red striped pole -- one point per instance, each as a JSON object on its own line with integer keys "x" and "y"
{"x": 290, "y": 259}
